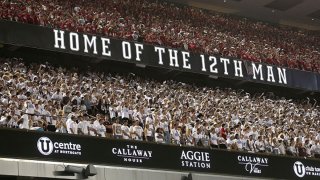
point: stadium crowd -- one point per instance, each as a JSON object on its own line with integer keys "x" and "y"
{"x": 42, "y": 97}
{"x": 176, "y": 26}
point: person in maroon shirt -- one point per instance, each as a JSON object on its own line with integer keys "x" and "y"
{"x": 223, "y": 132}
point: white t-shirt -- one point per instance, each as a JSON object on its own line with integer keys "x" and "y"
{"x": 101, "y": 130}
{"x": 214, "y": 138}
{"x": 149, "y": 120}
{"x": 136, "y": 129}
{"x": 159, "y": 137}
{"x": 175, "y": 134}
{"x": 126, "y": 130}
{"x": 112, "y": 112}
{"x": 30, "y": 109}
{"x": 259, "y": 145}
{"x": 149, "y": 131}
{"x": 125, "y": 113}
{"x": 3, "y": 121}
{"x": 164, "y": 125}
{"x": 83, "y": 125}
{"x": 25, "y": 123}
{"x": 72, "y": 125}
{"x": 197, "y": 137}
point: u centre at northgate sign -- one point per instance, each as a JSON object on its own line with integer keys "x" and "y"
{"x": 82, "y": 149}
{"x": 156, "y": 56}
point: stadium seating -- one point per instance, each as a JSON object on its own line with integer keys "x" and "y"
{"x": 176, "y": 26}
{"x": 42, "y": 97}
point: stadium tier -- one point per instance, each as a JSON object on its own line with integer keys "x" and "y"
{"x": 175, "y": 26}
{"x": 45, "y": 98}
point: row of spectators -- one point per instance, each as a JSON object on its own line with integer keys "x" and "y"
{"x": 176, "y": 26}
{"x": 46, "y": 98}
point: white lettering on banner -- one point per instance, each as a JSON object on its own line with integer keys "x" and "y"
{"x": 203, "y": 64}
{"x": 139, "y": 47}
{"x": 225, "y": 62}
{"x": 301, "y": 170}
{"x": 105, "y": 47}
{"x": 46, "y": 147}
{"x": 238, "y": 68}
{"x": 74, "y": 41}
{"x": 131, "y": 153}
{"x": 257, "y": 71}
{"x": 253, "y": 164}
{"x": 172, "y": 56}
{"x": 214, "y": 63}
{"x": 270, "y": 74}
{"x": 160, "y": 51}
{"x": 58, "y": 39}
{"x": 90, "y": 43}
{"x": 185, "y": 56}
{"x": 126, "y": 50}
{"x": 282, "y": 75}
{"x": 195, "y": 159}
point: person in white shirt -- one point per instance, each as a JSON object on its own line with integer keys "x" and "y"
{"x": 112, "y": 112}
{"x": 136, "y": 131}
{"x": 148, "y": 133}
{"x": 165, "y": 127}
{"x": 83, "y": 126}
{"x": 47, "y": 115}
{"x": 189, "y": 138}
{"x": 57, "y": 95}
{"x": 125, "y": 112}
{"x": 24, "y": 122}
{"x": 116, "y": 129}
{"x": 4, "y": 121}
{"x": 30, "y": 108}
{"x": 315, "y": 149}
{"x": 213, "y": 138}
{"x": 197, "y": 136}
{"x": 125, "y": 130}
{"x": 250, "y": 144}
{"x": 259, "y": 145}
{"x": 61, "y": 126}
{"x": 159, "y": 136}
{"x": 238, "y": 142}
{"x": 175, "y": 135}
{"x": 99, "y": 127}
{"x": 205, "y": 139}
{"x": 67, "y": 109}
{"x": 72, "y": 126}
{"x": 13, "y": 122}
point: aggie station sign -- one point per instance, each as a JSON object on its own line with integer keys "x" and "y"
{"x": 94, "y": 150}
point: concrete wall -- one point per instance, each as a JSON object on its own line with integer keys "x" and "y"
{"x": 45, "y": 169}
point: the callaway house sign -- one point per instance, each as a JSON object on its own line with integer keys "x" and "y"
{"x": 166, "y": 57}
{"x": 47, "y": 147}
{"x": 131, "y": 153}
